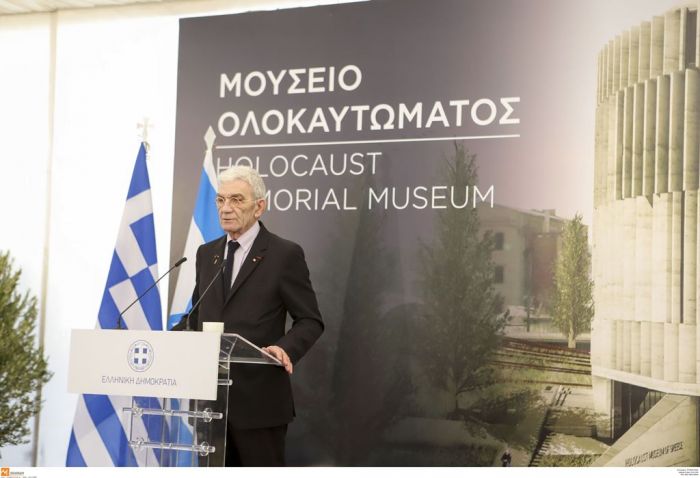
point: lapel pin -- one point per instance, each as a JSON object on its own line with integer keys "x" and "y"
{"x": 257, "y": 258}
{"x": 216, "y": 260}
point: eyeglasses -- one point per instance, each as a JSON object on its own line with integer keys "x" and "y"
{"x": 233, "y": 201}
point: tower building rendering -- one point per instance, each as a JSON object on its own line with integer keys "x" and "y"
{"x": 645, "y": 343}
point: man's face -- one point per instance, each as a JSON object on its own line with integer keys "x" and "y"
{"x": 238, "y": 210}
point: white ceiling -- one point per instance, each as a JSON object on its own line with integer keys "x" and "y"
{"x": 9, "y": 7}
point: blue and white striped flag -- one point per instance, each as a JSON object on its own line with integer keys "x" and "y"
{"x": 204, "y": 227}
{"x": 100, "y": 429}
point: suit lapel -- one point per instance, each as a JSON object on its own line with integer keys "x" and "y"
{"x": 217, "y": 258}
{"x": 254, "y": 257}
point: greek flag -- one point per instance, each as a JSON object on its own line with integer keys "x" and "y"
{"x": 99, "y": 435}
{"x": 204, "y": 227}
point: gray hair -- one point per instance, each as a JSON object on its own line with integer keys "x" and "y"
{"x": 247, "y": 174}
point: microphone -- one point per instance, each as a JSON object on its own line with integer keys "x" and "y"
{"x": 199, "y": 301}
{"x": 119, "y": 319}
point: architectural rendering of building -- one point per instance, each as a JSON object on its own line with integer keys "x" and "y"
{"x": 645, "y": 342}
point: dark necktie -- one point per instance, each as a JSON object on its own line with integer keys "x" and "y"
{"x": 228, "y": 269}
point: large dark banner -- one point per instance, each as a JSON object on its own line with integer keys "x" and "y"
{"x": 392, "y": 137}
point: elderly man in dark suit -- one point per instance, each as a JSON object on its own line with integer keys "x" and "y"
{"x": 265, "y": 278}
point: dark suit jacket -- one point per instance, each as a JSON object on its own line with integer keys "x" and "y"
{"x": 273, "y": 281}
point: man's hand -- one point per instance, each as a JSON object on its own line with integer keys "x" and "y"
{"x": 280, "y": 355}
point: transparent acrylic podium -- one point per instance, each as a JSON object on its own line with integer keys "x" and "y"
{"x": 184, "y": 432}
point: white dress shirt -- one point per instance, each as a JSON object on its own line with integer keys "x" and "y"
{"x": 245, "y": 243}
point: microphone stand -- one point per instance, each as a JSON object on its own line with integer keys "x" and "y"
{"x": 187, "y": 316}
